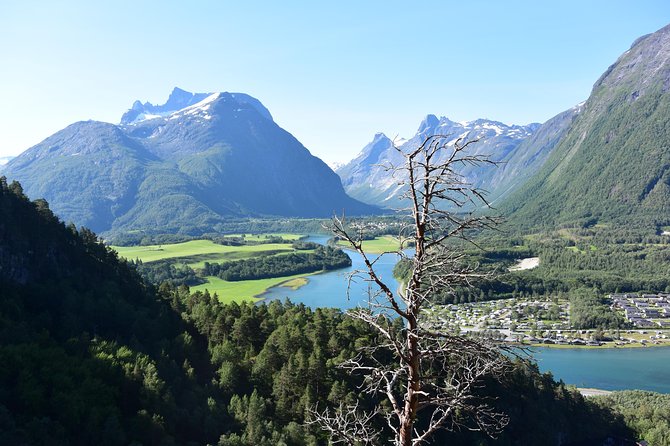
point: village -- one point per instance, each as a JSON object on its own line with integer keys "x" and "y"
{"x": 643, "y": 311}
{"x": 546, "y": 322}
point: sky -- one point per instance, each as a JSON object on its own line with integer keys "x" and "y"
{"x": 333, "y": 73}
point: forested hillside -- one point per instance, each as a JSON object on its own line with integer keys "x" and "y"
{"x": 89, "y": 354}
{"x": 613, "y": 163}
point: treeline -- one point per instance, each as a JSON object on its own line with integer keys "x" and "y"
{"x": 165, "y": 271}
{"x": 646, "y": 413}
{"x": 141, "y": 239}
{"x": 371, "y": 227}
{"x": 232, "y": 226}
{"x": 323, "y": 258}
{"x": 278, "y": 361}
{"x": 589, "y": 310}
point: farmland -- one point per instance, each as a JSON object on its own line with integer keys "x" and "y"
{"x": 195, "y": 253}
{"x": 378, "y": 245}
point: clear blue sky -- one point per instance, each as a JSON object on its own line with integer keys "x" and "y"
{"x": 331, "y": 73}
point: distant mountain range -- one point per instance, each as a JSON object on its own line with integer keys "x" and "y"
{"x": 202, "y": 158}
{"x": 607, "y": 159}
{"x": 367, "y": 178}
{"x": 186, "y": 165}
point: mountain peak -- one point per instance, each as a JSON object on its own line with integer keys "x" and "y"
{"x": 181, "y": 100}
{"x": 645, "y": 63}
{"x": 379, "y": 136}
{"x": 429, "y": 122}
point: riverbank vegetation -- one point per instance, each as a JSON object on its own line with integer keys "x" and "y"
{"x": 242, "y": 268}
{"x": 323, "y": 258}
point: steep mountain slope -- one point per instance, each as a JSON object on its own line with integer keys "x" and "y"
{"x": 89, "y": 354}
{"x": 520, "y": 149}
{"x": 613, "y": 164}
{"x": 183, "y": 166}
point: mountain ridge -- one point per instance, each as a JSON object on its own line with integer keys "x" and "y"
{"x": 613, "y": 164}
{"x": 366, "y": 177}
{"x": 187, "y": 170}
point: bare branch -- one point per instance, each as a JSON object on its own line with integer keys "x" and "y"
{"x": 433, "y": 376}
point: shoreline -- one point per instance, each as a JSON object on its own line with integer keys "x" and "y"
{"x": 259, "y": 297}
{"x": 598, "y": 347}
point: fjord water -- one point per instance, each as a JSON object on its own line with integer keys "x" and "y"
{"x": 646, "y": 368}
{"x": 330, "y": 289}
{"x": 606, "y": 368}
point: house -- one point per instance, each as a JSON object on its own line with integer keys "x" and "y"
{"x": 642, "y": 322}
{"x": 651, "y": 313}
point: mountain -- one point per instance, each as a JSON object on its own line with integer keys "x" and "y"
{"x": 613, "y": 162}
{"x": 90, "y": 353}
{"x": 180, "y": 99}
{"x": 186, "y": 165}
{"x": 5, "y": 159}
{"x": 366, "y": 178}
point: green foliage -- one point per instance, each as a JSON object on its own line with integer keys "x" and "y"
{"x": 323, "y": 258}
{"x": 166, "y": 271}
{"x": 90, "y": 354}
{"x": 646, "y": 413}
{"x": 589, "y": 310}
{"x": 599, "y": 259}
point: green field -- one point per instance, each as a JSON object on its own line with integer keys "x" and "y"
{"x": 385, "y": 243}
{"x": 244, "y": 289}
{"x": 196, "y": 252}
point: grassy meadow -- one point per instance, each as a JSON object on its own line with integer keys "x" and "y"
{"x": 195, "y": 253}
{"x": 246, "y": 289}
{"x": 379, "y": 245}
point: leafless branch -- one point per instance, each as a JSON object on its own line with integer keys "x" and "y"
{"x": 432, "y": 376}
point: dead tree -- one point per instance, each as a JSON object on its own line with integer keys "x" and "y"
{"x": 433, "y": 379}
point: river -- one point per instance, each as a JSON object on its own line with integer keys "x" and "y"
{"x": 330, "y": 289}
{"x": 645, "y": 368}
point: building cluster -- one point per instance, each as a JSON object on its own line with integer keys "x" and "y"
{"x": 644, "y": 310}
{"x": 542, "y": 321}
{"x": 509, "y": 314}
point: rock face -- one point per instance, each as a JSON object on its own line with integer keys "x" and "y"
{"x": 613, "y": 163}
{"x": 367, "y": 178}
{"x": 183, "y": 166}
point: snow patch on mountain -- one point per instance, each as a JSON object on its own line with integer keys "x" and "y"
{"x": 367, "y": 177}
{"x": 183, "y": 103}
